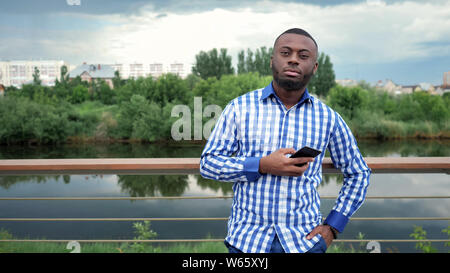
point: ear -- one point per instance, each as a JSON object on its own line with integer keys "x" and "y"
{"x": 316, "y": 66}
{"x": 271, "y": 58}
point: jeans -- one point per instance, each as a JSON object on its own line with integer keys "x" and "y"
{"x": 319, "y": 247}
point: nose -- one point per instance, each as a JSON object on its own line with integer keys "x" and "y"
{"x": 293, "y": 60}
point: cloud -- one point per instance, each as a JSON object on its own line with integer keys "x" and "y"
{"x": 367, "y": 32}
{"x": 362, "y": 33}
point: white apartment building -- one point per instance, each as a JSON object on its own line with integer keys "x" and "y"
{"x": 16, "y": 73}
{"x": 156, "y": 70}
{"x": 136, "y": 70}
{"x": 177, "y": 69}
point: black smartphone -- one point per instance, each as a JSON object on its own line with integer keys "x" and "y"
{"x": 305, "y": 152}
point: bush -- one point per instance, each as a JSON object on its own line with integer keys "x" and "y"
{"x": 25, "y": 120}
{"x": 348, "y": 101}
{"x": 376, "y": 114}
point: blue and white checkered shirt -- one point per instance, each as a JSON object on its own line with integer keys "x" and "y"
{"x": 255, "y": 125}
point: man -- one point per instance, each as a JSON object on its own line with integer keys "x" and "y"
{"x": 276, "y": 206}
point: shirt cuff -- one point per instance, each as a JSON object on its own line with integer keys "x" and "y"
{"x": 251, "y": 168}
{"x": 337, "y": 220}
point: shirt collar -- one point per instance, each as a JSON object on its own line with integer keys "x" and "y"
{"x": 268, "y": 90}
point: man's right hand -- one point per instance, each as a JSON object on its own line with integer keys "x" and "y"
{"x": 277, "y": 163}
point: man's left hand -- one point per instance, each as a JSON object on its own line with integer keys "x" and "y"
{"x": 324, "y": 231}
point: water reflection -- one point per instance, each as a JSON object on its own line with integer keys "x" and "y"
{"x": 154, "y": 185}
{"x": 149, "y": 185}
{"x": 437, "y": 147}
{"x": 405, "y": 148}
{"x": 194, "y": 185}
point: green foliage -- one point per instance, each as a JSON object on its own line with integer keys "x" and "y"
{"x": 80, "y": 94}
{"x": 447, "y": 232}
{"x": 143, "y": 232}
{"x": 420, "y": 234}
{"x": 140, "y": 109}
{"x": 222, "y": 91}
{"x": 342, "y": 248}
{"x": 376, "y": 114}
{"x": 117, "y": 80}
{"x": 324, "y": 79}
{"x": 348, "y": 101}
{"x": 170, "y": 88}
{"x": 154, "y": 185}
{"x": 142, "y": 119}
{"x": 36, "y": 77}
{"x": 24, "y": 120}
{"x": 103, "y": 93}
{"x": 255, "y": 62}
{"x": 212, "y": 64}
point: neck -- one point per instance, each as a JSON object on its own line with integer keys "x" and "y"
{"x": 288, "y": 98}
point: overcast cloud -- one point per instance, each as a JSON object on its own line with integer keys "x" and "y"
{"x": 407, "y": 41}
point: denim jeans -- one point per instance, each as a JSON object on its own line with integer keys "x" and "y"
{"x": 319, "y": 247}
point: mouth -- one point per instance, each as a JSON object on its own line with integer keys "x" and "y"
{"x": 291, "y": 73}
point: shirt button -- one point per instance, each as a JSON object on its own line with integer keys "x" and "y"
{"x": 273, "y": 99}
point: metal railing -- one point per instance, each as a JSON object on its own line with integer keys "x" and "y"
{"x": 143, "y": 166}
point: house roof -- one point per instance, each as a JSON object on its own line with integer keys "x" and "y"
{"x": 94, "y": 70}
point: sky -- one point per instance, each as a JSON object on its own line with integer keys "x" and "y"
{"x": 371, "y": 40}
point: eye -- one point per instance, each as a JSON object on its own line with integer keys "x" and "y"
{"x": 284, "y": 53}
{"x": 304, "y": 56}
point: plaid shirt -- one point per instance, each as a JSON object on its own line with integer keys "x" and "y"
{"x": 255, "y": 125}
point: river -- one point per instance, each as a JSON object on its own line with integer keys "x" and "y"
{"x": 194, "y": 185}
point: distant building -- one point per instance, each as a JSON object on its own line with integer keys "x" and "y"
{"x": 177, "y": 69}
{"x": 446, "y": 80}
{"x": 445, "y": 83}
{"x": 2, "y": 90}
{"x": 156, "y": 70}
{"x": 390, "y": 87}
{"x": 136, "y": 70}
{"x": 427, "y": 87}
{"x": 92, "y": 72}
{"x": 408, "y": 89}
{"x": 17, "y": 73}
{"x": 118, "y": 67}
{"x": 347, "y": 82}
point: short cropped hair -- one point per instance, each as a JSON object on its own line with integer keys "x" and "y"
{"x": 298, "y": 31}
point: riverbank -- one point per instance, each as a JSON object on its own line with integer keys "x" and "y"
{"x": 200, "y": 247}
{"x": 145, "y": 117}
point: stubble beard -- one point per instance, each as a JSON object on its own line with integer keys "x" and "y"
{"x": 291, "y": 85}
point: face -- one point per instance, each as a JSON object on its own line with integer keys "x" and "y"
{"x": 293, "y": 61}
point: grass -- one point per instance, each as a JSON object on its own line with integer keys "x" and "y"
{"x": 144, "y": 232}
{"x": 43, "y": 247}
{"x": 95, "y": 108}
{"x": 201, "y": 247}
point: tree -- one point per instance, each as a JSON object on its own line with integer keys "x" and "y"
{"x": 212, "y": 64}
{"x": 170, "y": 88}
{"x": 222, "y": 91}
{"x": 324, "y": 79}
{"x": 36, "y": 77}
{"x": 348, "y": 101}
{"x": 79, "y": 94}
{"x": 117, "y": 80}
{"x": 103, "y": 92}
{"x": 64, "y": 77}
{"x": 255, "y": 62}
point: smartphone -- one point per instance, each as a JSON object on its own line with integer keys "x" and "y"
{"x": 305, "y": 152}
